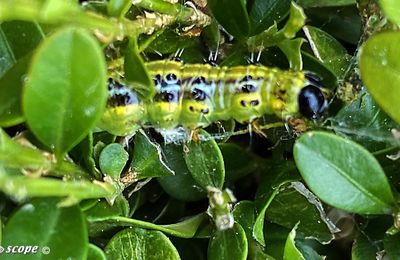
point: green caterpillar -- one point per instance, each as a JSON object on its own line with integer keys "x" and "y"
{"x": 196, "y": 95}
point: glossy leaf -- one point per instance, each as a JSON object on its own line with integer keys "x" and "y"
{"x": 328, "y": 50}
{"x": 112, "y": 160}
{"x": 140, "y": 244}
{"x": 118, "y": 8}
{"x": 294, "y": 203}
{"x": 95, "y": 253}
{"x": 66, "y": 93}
{"x": 228, "y": 244}
{"x": 238, "y": 162}
{"x": 135, "y": 69}
{"x": 347, "y": 18}
{"x": 323, "y": 3}
{"x": 181, "y": 186}
{"x": 391, "y": 9}
{"x": 11, "y": 94}
{"x": 265, "y": 12}
{"x": 186, "y": 228}
{"x": 232, "y": 15}
{"x": 148, "y": 160}
{"x": 17, "y": 39}
{"x": 364, "y": 121}
{"x": 391, "y": 244}
{"x": 291, "y": 252}
{"x": 380, "y": 70}
{"x": 343, "y": 174}
{"x": 42, "y": 218}
{"x": 205, "y": 162}
{"x": 15, "y": 155}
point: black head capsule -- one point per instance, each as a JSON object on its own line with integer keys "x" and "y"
{"x": 312, "y": 103}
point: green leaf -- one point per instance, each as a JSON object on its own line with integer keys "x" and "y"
{"x": 293, "y": 204}
{"x": 347, "y": 18}
{"x": 135, "y": 69}
{"x": 66, "y": 93}
{"x": 148, "y": 160}
{"x": 40, "y": 222}
{"x": 181, "y": 186}
{"x": 244, "y": 213}
{"x": 15, "y": 155}
{"x": 95, "y": 253}
{"x": 323, "y": 3}
{"x": 17, "y": 39}
{"x": 391, "y": 244}
{"x": 232, "y": 15}
{"x": 11, "y": 93}
{"x": 238, "y": 162}
{"x": 186, "y": 228}
{"x": 370, "y": 238}
{"x": 103, "y": 209}
{"x": 228, "y": 244}
{"x": 328, "y": 51}
{"x": 343, "y": 174}
{"x": 292, "y": 50}
{"x": 112, "y": 160}
{"x": 291, "y": 252}
{"x": 140, "y": 243}
{"x": 392, "y": 10}
{"x": 118, "y": 8}
{"x": 265, "y": 12}
{"x": 364, "y": 122}
{"x": 380, "y": 70}
{"x": 205, "y": 162}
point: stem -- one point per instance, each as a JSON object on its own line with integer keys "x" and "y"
{"x": 21, "y": 187}
{"x": 60, "y": 12}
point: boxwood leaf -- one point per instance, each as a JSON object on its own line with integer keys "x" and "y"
{"x": 17, "y": 39}
{"x": 112, "y": 160}
{"x": 232, "y": 15}
{"x": 15, "y": 155}
{"x": 324, "y": 3}
{"x": 380, "y": 70}
{"x": 148, "y": 160}
{"x": 328, "y": 50}
{"x": 95, "y": 253}
{"x": 135, "y": 69}
{"x": 228, "y": 244}
{"x": 138, "y": 243}
{"x": 181, "y": 186}
{"x": 205, "y": 162}
{"x": 186, "y": 228}
{"x": 238, "y": 162}
{"x": 391, "y": 9}
{"x": 264, "y": 13}
{"x": 294, "y": 203}
{"x": 291, "y": 252}
{"x": 66, "y": 93}
{"x": 42, "y": 218}
{"x": 343, "y": 174}
{"x": 11, "y": 93}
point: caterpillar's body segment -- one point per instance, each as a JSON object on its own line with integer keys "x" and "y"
{"x": 196, "y": 95}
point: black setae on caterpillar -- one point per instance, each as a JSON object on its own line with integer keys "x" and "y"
{"x": 196, "y": 95}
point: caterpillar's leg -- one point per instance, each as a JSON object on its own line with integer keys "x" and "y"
{"x": 194, "y": 135}
{"x": 299, "y": 125}
{"x": 257, "y": 128}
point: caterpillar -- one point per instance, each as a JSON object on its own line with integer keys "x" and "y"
{"x": 196, "y": 95}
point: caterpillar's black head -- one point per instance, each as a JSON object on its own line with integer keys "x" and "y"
{"x": 312, "y": 102}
